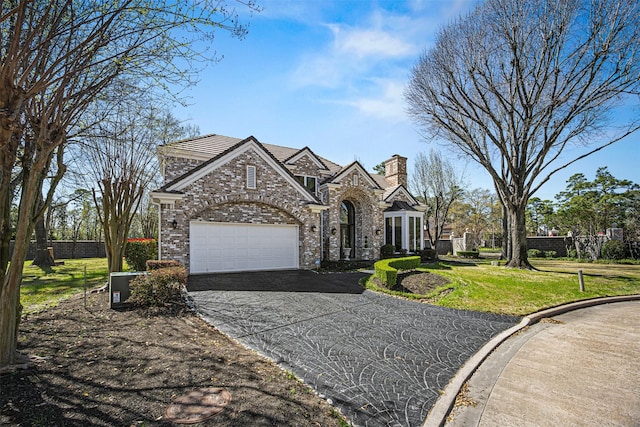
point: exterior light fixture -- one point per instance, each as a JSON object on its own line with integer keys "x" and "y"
{"x": 313, "y": 228}
{"x": 334, "y": 231}
{"x": 378, "y": 231}
{"x": 174, "y": 224}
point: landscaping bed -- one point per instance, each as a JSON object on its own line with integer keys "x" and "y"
{"x": 101, "y": 367}
{"x": 415, "y": 282}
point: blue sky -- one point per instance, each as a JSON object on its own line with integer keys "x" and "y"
{"x": 330, "y": 75}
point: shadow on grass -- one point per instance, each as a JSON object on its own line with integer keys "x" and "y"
{"x": 458, "y": 262}
{"x": 574, "y": 273}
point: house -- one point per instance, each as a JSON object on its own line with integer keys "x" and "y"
{"x": 230, "y": 204}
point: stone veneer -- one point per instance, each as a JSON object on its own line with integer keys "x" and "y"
{"x": 368, "y": 216}
{"x": 304, "y": 166}
{"x": 395, "y": 171}
{"x": 222, "y": 196}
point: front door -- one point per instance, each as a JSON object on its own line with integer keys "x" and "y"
{"x": 347, "y": 230}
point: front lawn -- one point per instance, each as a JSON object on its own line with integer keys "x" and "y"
{"x": 45, "y": 287}
{"x": 483, "y": 287}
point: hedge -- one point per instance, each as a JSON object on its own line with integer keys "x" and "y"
{"x": 139, "y": 251}
{"x": 469, "y": 254}
{"x": 159, "y": 287}
{"x": 387, "y": 269}
{"x": 386, "y": 251}
{"x": 428, "y": 254}
{"x": 614, "y": 250}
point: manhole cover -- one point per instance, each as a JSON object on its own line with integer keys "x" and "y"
{"x": 197, "y": 405}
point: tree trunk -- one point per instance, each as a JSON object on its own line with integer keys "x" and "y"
{"x": 436, "y": 257}
{"x": 114, "y": 257}
{"x": 10, "y": 312}
{"x": 10, "y": 307}
{"x": 506, "y": 237}
{"x": 518, "y": 238}
{"x": 42, "y": 256}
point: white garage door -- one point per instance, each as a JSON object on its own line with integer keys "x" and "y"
{"x": 220, "y": 247}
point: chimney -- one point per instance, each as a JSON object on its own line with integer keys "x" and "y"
{"x": 395, "y": 171}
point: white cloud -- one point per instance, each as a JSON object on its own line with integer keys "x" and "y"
{"x": 389, "y": 106}
{"x": 375, "y": 43}
{"x": 360, "y": 52}
{"x": 365, "y": 65}
{"x": 384, "y": 102}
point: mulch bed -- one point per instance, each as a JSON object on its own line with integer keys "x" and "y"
{"x": 416, "y": 282}
{"x": 102, "y": 367}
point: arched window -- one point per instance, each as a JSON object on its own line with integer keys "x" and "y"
{"x": 347, "y": 225}
{"x": 347, "y": 213}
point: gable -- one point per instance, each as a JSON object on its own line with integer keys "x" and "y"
{"x": 305, "y": 155}
{"x": 244, "y": 147}
{"x": 399, "y": 193}
{"x": 354, "y": 167}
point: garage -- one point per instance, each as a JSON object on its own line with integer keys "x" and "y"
{"x": 224, "y": 247}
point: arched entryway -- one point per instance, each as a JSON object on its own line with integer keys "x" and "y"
{"x": 347, "y": 229}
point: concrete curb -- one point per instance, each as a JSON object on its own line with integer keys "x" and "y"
{"x": 438, "y": 414}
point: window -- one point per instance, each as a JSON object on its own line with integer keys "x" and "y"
{"x": 403, "y": 230}
{"x": 307, "y": 181}
{"x": 418, "y": 234}
{"x": 388, "y": 230}
{"x": 311, "y": 184}
{"x": 412, "y": 234}
{"x": 355, "y": 180}
{"x": 347, "y": 225}
{"x": 251, "y": 177}
{"x": 397, "y": 231}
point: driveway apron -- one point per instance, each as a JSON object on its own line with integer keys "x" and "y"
{"x": 382, "y": 361}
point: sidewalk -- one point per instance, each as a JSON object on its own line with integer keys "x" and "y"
{"x": 580, "y": 368}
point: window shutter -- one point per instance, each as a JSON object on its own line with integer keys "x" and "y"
{"x": 251, "y": 177}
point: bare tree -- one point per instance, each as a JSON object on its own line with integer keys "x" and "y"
{"x": 515, "y": 83}
{"x": 478, "y": 212}
{"x": 57, "y": 57}
{"x": 438, "y": 185}
{"x": 120, "y": 154}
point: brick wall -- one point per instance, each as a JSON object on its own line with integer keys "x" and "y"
{"x": 68, "y": 249}
{"x": 551, "y": 243}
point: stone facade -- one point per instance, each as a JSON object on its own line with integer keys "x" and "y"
{"x": 395, "y": 171}
{"x": 216, "y": 191}
{"x": 222, "y": 196}
{"x": 368, "y": 217}
{"x": 173, "y": 167}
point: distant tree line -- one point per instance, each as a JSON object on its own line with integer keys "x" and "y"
{"x": 588, "y": 208}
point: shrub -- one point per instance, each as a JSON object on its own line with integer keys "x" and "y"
{"x": 139, "y": 251}
{"x": 550, "y": 254}
{"x": 572, "y": 253}
{"x": 155, "y": 264}
{"x": 535, "y": 253}
{"x": 428, "y": 254}
{"x": 159, "y": 287}
{"x": 469, "y": 254}
{"x": 387, "y": 269}
{"x": 386, "y": 251}
{"x": 613, "y": 249}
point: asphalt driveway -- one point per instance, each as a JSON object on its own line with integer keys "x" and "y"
{"x": 381, "y": 360}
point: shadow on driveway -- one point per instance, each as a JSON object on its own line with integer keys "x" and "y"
{"x": 278, "y": 281}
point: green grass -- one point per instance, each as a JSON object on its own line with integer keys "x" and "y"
{"x": 46, "y": 287}
{"x": 483, "y": 287}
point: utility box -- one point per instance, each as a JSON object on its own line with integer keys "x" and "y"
{"x": 119, "y": 287}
